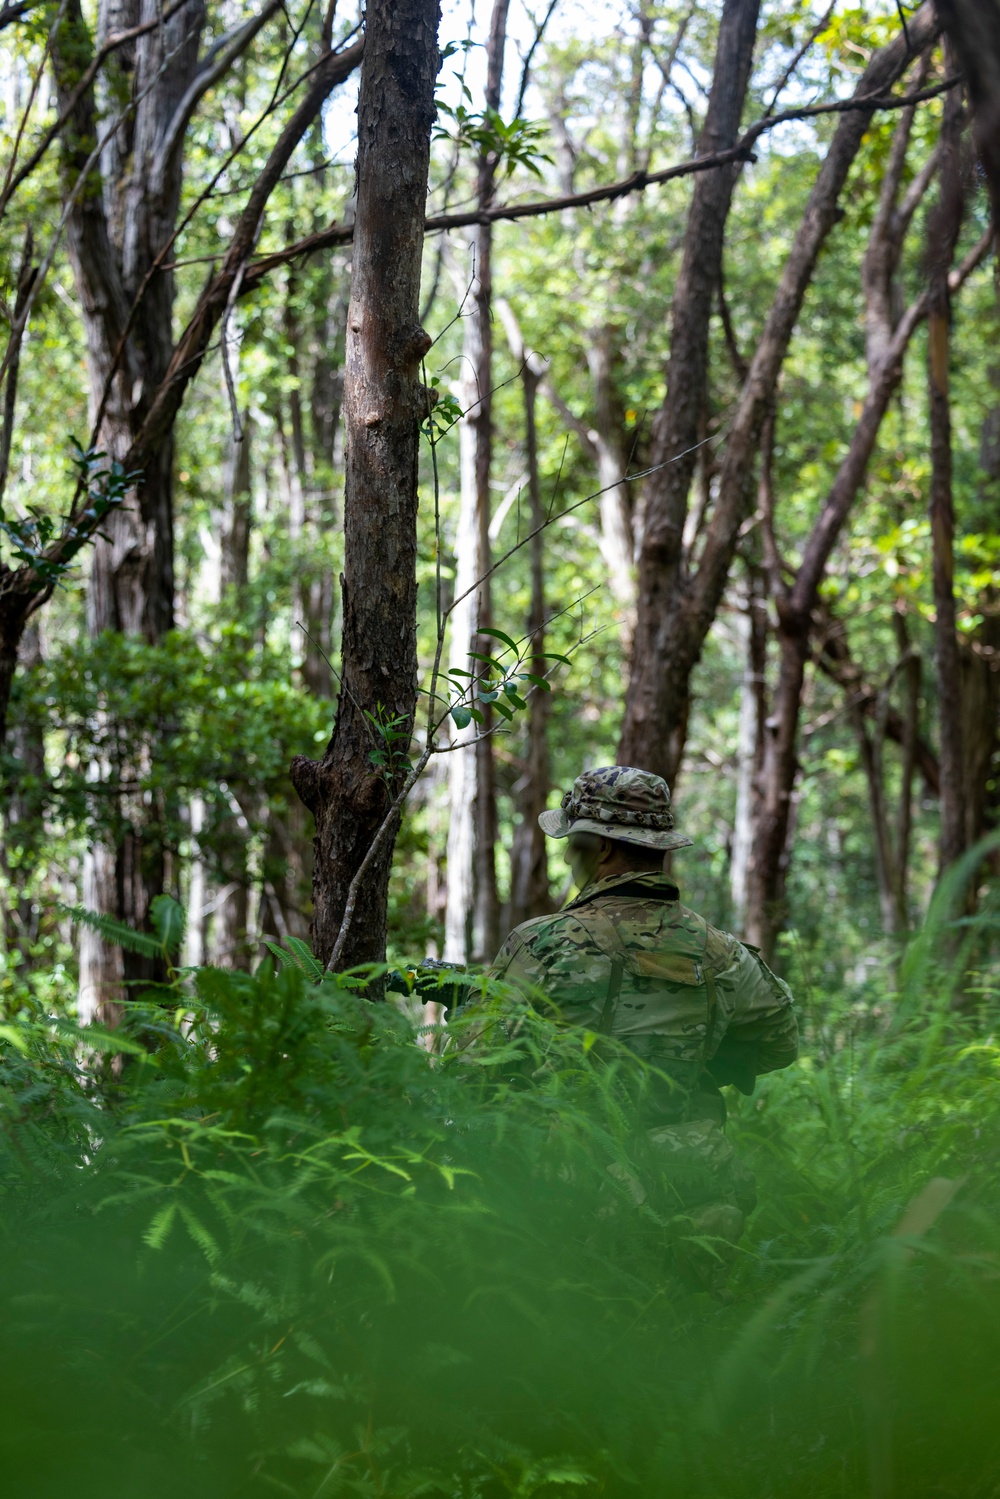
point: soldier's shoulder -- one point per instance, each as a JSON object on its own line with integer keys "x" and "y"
{"x": 721, "y": 948}
{"x": 543, "y": 932}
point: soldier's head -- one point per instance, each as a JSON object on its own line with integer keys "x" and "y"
{"x": 616, "y": 819}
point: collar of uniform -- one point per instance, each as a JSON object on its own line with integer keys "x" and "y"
{"x": 652, "y": 884}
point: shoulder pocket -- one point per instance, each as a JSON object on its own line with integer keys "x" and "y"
{"x": 670, "y": 968}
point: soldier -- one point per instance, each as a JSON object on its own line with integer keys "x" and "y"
{"x": 625, "y": 959}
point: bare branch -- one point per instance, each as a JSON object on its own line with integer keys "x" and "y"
{"x": 25, "y": 280}
{"x": 191, "y": 346}
{"x": 218, "y": 60}
{"x": 529, "y": 56}
{"x": 785, "y": 79}
{"x": 11, "y": 13}
{"x": 32, "y": 95}
{"x": 119, "y": 39}
{"x": 342, "y": 234}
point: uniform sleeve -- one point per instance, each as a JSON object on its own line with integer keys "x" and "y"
{"x": 759, "y": 1010}
{"x": 517, "y": 966}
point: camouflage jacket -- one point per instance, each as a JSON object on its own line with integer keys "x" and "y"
{"x": 626, "y": 959}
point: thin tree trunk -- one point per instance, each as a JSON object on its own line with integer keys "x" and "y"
{"x": 486, "y": 911}
{"x": 912, "y": 674}
{"x": 797, "y": 604}
{"x": 113, "y": 236}
{"x": 872, "y": 763}
{"x": 460, "y": 879}
{"x": 529, "y": 879}
{"x": 750, "y": 738}
{"x": 237, "y": 513}
{"x": 981, "y": 721}
{"x": 942, "y": 236}
{"x": 617, "y": 540}
{"x": 348, "y": 794}
{"x": 229, "y": 946}
{"x": 973, "y": 28}
{"x": 650, "y": 738}
{"x": 22, "y": 826}
{"x": 473, "y": 910}
{"x": 198, "y": 888}
{"x": 676, "y": 611}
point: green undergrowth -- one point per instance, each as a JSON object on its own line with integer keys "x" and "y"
{"x": 260, "y": 1242}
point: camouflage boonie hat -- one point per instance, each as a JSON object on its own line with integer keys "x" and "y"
{"x": 619, "y": 802}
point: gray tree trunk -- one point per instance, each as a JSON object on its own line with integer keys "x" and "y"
{"x": 529, "y": 874}
{"x": 652, "y": 736}
{"x": 349, "y": 795}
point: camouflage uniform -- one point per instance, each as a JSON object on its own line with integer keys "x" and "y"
{"x": 625, "y": 959}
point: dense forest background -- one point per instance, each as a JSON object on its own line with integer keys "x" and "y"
{"x": 714, "y": 507}
{"x": 400, "y": 413}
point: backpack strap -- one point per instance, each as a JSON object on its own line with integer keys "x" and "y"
{"x": 608, "y": 938}
{"x": 607, "y": 1019}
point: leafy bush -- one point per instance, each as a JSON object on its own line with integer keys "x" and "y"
{"x": 277, "y": 1247}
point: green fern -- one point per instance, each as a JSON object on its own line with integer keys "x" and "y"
{"x": 166, "y": 914}
{"x": 298, "y": 955}
{"x": 118, "y": 932}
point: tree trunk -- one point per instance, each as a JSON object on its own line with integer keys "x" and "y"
{"x": 750, "y": 739}
{"x": 617, "y": 540}
{"x": 114, "y": 232}
{"x": 486, "y": 910}
{"x": 942, "y": 235}
{"x": 237, "y": 513}
{"x": 652, "y": 738}
{"x": 472, "y": 782}
{"x": 22, "y": 825}
{"x": 797, "y": 604}
{"x": 460, "y": 878}
{"x": 230, "y": 909}
{"x": 347, "y": 793}
{"x": 529, "y": 875}
{"x": 676, "y": 610}
{"x": 981, "y": 722}
{"x": 973, "y": 28}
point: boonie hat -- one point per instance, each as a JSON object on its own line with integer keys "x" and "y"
{"x": 619, "y": 802}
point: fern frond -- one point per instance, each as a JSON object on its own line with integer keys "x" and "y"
{"x": 298, "y": 955}
{"x": 118, "y": 932}
{"x": 303, "y": 955}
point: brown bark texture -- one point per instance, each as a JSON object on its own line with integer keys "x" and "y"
{"x": 529, "y": 876}
{"x": 796, "y": 602}
{"x": 116, "y": 227}
{"x": 486, "y": 911}
{"x": 679, "y": 607}
{"x": 347, "y": 792}
{"x": 973, "y": 28}
{"x": 943, "y": 227}
{"x": 653, "y": 727}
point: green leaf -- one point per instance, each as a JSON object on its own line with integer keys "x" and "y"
{"x": 157, "y": 1232}
{"x": 461, "y": 716}
{"x": 304, "y": 957}
{"x": 498, "y": 635}
{"x": 14, "y": 1036}
{"x": 201, "y": 1236}
{"x": 168, "y": 918}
